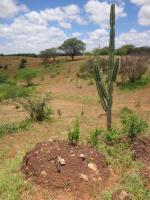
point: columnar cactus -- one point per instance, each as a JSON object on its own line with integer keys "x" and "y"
{"x": 105, "y": 91}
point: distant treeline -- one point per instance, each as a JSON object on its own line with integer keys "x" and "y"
{"x": 124, "y": 50}
{"x": 21, "y": 54}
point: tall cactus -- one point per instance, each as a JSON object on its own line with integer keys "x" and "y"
{"x": 105, "y": 91}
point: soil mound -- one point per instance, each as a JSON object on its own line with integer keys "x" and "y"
{"x": 58, "y": 165}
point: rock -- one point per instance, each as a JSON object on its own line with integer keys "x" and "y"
{"x": 93, "y": 167}
{"x": 43, "y": 173}
{"x": 62, "y": 161}
{"x": 124, "y": 196}
{"x": 82, "y": 156}
{"x": 84, "y": 177}
{"x": 99, "y": 178}
{"x": 72, "y": 155}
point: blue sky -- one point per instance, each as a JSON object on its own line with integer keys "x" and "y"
{"x": 31, "y": 26}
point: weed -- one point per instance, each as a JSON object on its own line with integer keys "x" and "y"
{"x": 132, "y": 123}
{"x": 74, "y": 134}
{"x": 14, "y": 127}
{"x": 94, "y": 137}
{"x": 135, "y": 186}
{"x": 11, "y": 182}
{"x": 27, "y": 75}
{"x": 112, "y": 135}
{"x": 37, "y": 108}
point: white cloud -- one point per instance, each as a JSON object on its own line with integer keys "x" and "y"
{"x": 25, "y": 36}
{"x": 140, "y": 2}
{"x": 94, "y": 39}
{"x": 144, "y": 12}
{"x": 134, "y": 37}
{"x": 76, "y": 34}
{"x": 99, "y": 11}
{"x": 10, "y": 8}
{"x": 144, "y": 15}
{"x": 63, "y": 15}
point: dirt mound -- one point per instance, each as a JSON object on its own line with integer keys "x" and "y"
{"x": 141, "y": 149}
{"x": 56, "y": 165}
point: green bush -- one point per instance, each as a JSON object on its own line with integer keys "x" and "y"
{"x": 3, "y": 78}
{"x": 23, "y": 63}
{"x": 13, "y": 127}
{"x": 27, "y": 75}
{"x": 74, "y": 134}
{"x": 37, "y": 108}
{"x": 94, "y": 137}
{"x": 13, "y": 91}
{"x": 132, "y": 123}
{"x": 112, "y": 135}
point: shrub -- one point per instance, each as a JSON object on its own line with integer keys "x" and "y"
{"x": 112, "y": 135}
{"x": 13, "y": 91}
{"x": 74, "y": 134}
{"x": 132, "y": 67}
{"x": 27, "y": 75}
{"x": 3, "y": 78}
{"x": 94, "y": 137}
{"x": 23, "y": 63}
{"x": 37, "y": 108}
{"x": 132, "y": 123}
{"x": 13, "y": 127}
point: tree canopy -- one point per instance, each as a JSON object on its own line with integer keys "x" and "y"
{"x": 73, "y": 47}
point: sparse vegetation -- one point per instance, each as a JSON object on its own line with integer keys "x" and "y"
{"x": 74, "y": 133}
{"x": 93, "y": 139}
{"x": 133, "y": 124}
{"x": 37, "y": 108}
{"x": 27, "y": 75}
{"x": 23, "y": 63}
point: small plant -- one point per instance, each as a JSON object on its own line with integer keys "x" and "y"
{"x": 132, "y": 123}
{"x": 23, "y": 63}
{"x": 37, "y": 108}
{"x": 13, "y": 127}
{"x": 82, "y": 113}
{"x": 59, "y": 113}
{"x": 112, "y": 135}
{"x": 94, "y": 137}
{"x": 27, "y": 75}
{"x": 74, "y": 134}
{"x": 3, "y": 78}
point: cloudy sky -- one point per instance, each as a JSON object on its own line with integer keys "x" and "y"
{"x": 34, "y": 25}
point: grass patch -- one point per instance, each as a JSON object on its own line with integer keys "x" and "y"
{"x": 145, "y": 80}
{"x": 11, "y": 182}
{"x": 13, "y": 91}
{"x": 14, "y": 127}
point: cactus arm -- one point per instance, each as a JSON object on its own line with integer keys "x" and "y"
{"x": 115, "y": 70}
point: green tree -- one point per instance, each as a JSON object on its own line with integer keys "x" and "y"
{"x": 52, "y": 53}
{"x": 73, "y": 47}
{"x": 125, "y": 49}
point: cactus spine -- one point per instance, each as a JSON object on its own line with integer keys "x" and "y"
{"x": 105, "y": 92}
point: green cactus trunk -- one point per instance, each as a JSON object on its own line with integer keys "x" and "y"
{"x": 105, "y": 93}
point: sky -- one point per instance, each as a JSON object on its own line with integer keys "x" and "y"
{"x": 29, "y": 26}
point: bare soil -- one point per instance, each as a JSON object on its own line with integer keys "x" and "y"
{"x": 40, "y": 168}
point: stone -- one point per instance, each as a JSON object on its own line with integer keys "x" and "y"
{"x": 84, "y": 177}
{"x": 82, "y": 156}
{"x": 72, "y": 155}
{"x": 43, "y": 173}
{"x": 62, "y": 161}
{"x": 124, "y": 196}
{"x": 93, "y": 167}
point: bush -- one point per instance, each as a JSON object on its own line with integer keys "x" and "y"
{"x": 13, "y": 127}
{"x": 74, "y": 134}
{"x": 132, "y": 68}
{"x": 37, "y": 108}
{"x": 3, "y": 78}
{"x": 132, "y": 123}
{"x": 13, "y": 91}
{"x": 112, "y": 135}
{"x": 94, "y": 137}
{"x": 27, "y": 75}
{"x": 23, "y": 63}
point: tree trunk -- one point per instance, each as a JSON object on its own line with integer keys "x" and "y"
{"x": 72, "y": 57}
{"x": 109, "y": 119}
